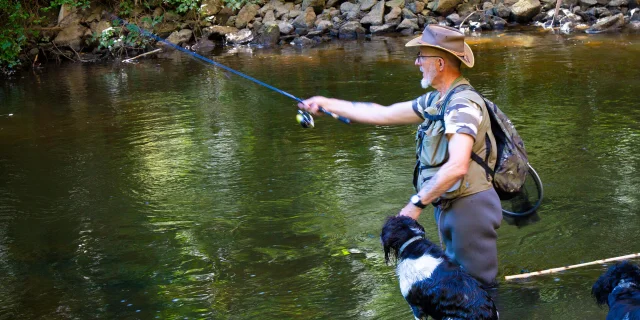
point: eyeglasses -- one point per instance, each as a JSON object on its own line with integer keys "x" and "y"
{"x": 420, "y": 57}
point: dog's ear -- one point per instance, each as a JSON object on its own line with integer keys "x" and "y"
{"x": 389, "y": 237}
{"x": 602, "y": 288}
{"x": 632, "y": 270}
{"x": 413, "y": 225}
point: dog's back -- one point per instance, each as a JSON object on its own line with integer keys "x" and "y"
{"x": 624, "y": 304}
{"x": 450, "y": 293}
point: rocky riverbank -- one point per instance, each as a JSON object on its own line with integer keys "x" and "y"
{"x": 90, "y": 35}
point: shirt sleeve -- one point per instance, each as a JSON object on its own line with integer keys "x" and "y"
{"x": 420, "y": 104}
{"x": 463, "y": 116}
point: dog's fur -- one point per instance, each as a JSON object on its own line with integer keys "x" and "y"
{"x": 619, "y": 288}
{"x": 433, "y": 285}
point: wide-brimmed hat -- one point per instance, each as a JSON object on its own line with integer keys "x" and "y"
{"x": 447, "y": 39}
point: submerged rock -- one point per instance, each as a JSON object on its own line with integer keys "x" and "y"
{"x": 633, "y": 26}
{"x": 203, "y": 45}
{"x": 303, "y": 42}
{"x": 385, "y": 28}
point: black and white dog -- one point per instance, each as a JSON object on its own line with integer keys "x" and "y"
{"x": 433, "y": 285}
{"x": 619, "y": 288}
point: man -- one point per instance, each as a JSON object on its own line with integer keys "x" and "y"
{"x": 468, "y": 209}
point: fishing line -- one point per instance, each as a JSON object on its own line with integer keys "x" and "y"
{"x": 304, "y": 118}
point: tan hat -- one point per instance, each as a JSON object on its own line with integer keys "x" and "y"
{"x": 447, "y": 39}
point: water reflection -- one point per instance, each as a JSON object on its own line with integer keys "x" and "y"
{"x": 173, "y": 190}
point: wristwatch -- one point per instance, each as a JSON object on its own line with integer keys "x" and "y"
{"x": 416, "y": 201}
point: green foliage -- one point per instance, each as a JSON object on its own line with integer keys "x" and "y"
{"x": 150, "y": 22}
{"x": 125, "y": 8}
{"x": 12, "y": 34}
{"x": 117, "y": 38}
{"x": 54, "y": 4}
{"x": 106, "y": 39}
{"x": 183, "y": 6}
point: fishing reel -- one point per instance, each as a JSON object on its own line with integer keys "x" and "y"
{"x": 305, "y": 119}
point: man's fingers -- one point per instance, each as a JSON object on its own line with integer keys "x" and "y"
{"x": 309, "y": 106}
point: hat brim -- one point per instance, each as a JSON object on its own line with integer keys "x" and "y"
{"x": 467, "y": 58}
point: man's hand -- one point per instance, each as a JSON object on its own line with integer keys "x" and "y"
{"x": 410, "y": 211}
{"x": 313, "y": 104}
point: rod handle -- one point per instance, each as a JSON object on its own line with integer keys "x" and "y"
{"x": 341, "y": 118}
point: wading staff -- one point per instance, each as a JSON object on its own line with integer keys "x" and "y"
{"x": 304, "y": 118}
{"x": 554, "y": 270}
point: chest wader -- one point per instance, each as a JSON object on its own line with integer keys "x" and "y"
{"x": 431, "y": 142}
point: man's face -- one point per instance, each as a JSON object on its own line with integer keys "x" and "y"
{"x": 427, "y": 60}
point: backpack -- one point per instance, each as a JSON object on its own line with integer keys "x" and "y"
{"x": 512, "y": 164}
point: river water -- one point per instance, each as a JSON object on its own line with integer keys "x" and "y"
{"x": 169, "y": 189}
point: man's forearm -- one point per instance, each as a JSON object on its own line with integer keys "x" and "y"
{"x": 442, "y": 181}
{"x": 363, "y": 112}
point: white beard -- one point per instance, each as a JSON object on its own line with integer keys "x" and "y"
{"x": 426, "y": 81}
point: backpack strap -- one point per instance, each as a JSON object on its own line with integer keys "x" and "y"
{"x": 482, "y": 163}
{"x": 440, "y": 115}
{"x": 432, "y": 118}
{"x": 474, "y": 156}
{"x": 432, "y": 96}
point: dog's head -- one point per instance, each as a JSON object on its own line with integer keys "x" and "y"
{"x": 396, "y": 231}
{"x": 624, "y": 270}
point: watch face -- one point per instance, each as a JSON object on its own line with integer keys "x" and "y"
{"x": 415, "y": 199}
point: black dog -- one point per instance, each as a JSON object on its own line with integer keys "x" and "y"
{"x": 433, "y": 285}
{"x": 619, "y": 288}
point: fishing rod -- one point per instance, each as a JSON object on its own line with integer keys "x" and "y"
{"x": 304, "y": 118}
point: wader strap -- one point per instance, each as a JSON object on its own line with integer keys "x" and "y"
{"x": 440, "y": 227}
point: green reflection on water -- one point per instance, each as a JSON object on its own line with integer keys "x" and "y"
{"x": 170, "y": 189}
